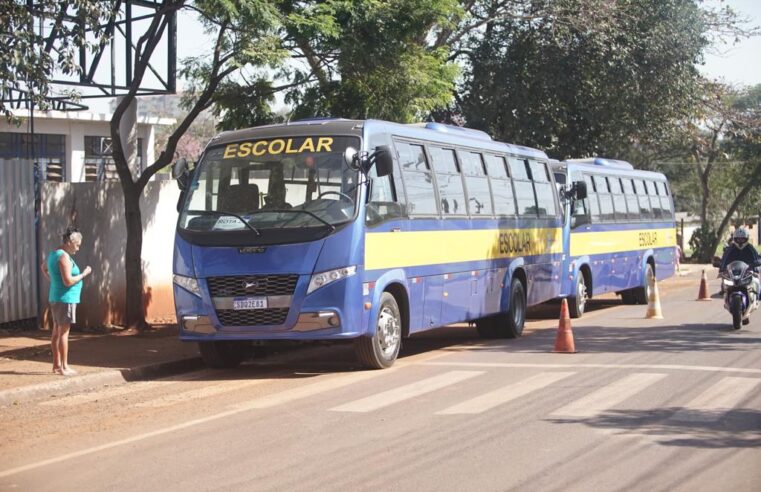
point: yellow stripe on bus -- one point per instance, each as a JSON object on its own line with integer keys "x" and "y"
{"x": 594, "y": 243}
{"x": 418, "y": 248}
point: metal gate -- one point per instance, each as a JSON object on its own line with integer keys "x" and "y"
{"x": 18, "y": 262}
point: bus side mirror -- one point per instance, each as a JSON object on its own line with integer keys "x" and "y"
{"x": 180, "y": 173}
{"x": 384, "y": 163}
{"x": 579, "y": 190}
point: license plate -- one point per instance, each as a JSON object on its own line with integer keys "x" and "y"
{"x": 242, "y": 303}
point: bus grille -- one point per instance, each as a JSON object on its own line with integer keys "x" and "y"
{"x": 274, "y": 316}
{"x": 265, "y": 285}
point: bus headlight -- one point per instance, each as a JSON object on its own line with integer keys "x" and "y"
{"x": 321, "y": 279}
{"x": 188, "y": 283}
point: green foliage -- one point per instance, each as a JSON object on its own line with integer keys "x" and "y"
{"x": 26, "y": 62}
{"x": 701, "y": 243}
{"x": 576, "y": 85}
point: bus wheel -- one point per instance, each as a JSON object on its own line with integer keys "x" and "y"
{"x": 224, "y": 355}
{"x": 579, "y": 301}
{"x": 516, "y": 314}
{"x": 627, "y": 297}
{"x": 642, "y": 294}
{"x": 380, "y": 350}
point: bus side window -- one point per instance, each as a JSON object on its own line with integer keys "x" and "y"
{"x": 644, "y": 202}
{"x": 545, "y": 194}
{"x": 665, "y": 200}
{"x": 449, "y": 181}
{"x": 606, "y": 200}
{"x": 594, "y": 204}
{"x": 501, "y": 185}
{"x": 619, "y": 201}
{"x": 524, "y": 188}
{"x": 418, "y": 180}
{"x": 631, "y": 199}
{"x": 655, "y": 202}
{"x": 476, "y": 184}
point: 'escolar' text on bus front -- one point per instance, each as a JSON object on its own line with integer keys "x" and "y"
{"x": 278, "y": 146}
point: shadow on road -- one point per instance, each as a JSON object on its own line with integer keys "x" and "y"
{"x": 739, "y": 428}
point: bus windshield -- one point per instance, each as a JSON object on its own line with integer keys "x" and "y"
{"x": 274, "y": 183}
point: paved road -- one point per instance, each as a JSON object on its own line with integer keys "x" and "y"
{"x": 673, "y": 404}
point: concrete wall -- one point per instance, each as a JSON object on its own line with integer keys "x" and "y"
{"x": 97, "y": 209}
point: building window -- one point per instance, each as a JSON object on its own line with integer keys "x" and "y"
{"x": 48, "y": 150}
{"x": 99, "y": 161}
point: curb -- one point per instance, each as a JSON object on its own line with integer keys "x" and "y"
{"x": 96, "y": 379}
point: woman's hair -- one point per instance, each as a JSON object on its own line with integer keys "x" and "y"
{"x": 70, "y": 233}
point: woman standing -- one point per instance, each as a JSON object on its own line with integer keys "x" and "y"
{"x": 65, "y": 289}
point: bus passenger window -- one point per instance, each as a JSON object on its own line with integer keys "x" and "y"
{"x": 631, "y": 199}
{"x": 501, "y": 185}
{"x": 418, "y": 179}
{"x": 449, "y": 181}
{"x": 665, "y": 200}
{"x": 476, "y": 184}
{"x": 655, "y": 202}
{"x": 545, "y": 194}
{"x": 591, "y": 200}
{"x": 645, "y": 210}
{"x": 524, "y": 189}
{"x": 619, "y": 201}
{"x": 606, "y": 200}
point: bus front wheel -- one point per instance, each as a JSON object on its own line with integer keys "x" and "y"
{"x": 380, "y": 350}
{"x": 225, "y": 354}
{"x": 516, "y": 314}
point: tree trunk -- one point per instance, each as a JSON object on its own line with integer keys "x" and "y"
{"x": 134, "y": 310}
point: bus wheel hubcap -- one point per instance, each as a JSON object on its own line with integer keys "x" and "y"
{"x": 389, "y": 331}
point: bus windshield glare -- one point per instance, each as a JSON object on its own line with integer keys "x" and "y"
{"x": 275, "y": 183}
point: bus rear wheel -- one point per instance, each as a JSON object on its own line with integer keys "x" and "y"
{"x": 380, "y": 350}
{"x": 578, "y": 302}
{"x": 642, "y": 294}
{"x": 225, "y": 354}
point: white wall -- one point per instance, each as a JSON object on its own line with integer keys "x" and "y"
{"x": 97, "y": 209}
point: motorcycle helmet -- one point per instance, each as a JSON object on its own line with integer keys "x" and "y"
{"x": 740, "y": 237}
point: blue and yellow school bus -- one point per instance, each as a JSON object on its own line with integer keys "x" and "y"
{"x": 366, "y": 230}
{"x": 618, "y": 230}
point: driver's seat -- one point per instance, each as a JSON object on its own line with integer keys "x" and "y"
{"x": 239, "y": 198}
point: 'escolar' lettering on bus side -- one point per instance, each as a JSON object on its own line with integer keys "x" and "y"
{"x": 278, "y": 146}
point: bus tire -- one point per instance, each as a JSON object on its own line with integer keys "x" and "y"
{"x": 627, "y": 296}
{"x": 641, "y": 293}
{"x": 579, "y": 301}
{"x": 225, "y": 354}
{"x": 516, "y": 313}
{"x": 380, "y": 350}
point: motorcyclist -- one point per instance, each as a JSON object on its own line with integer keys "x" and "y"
{"x": 741, "y": 250}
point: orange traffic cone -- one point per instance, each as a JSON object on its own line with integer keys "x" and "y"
{"x": 653, "y": 301}
{"x": 564, "y": 339}
{"x": 703, "y": 293}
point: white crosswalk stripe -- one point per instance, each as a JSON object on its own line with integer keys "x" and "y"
{"x": 608, "y": 396}
{"x": 506, "y": 394}
{"x": 406, "y": 392}
{"x": 217, "y": 388}
{"x": 717, "y": 400}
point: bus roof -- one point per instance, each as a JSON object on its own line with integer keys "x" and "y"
{"x": 610, "y": 166}
{"x": 437, "y": 132}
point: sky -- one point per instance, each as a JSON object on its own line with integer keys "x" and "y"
{"x": 736, "y": 63}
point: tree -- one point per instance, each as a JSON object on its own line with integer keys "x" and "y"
{"x": 29, "y": 58}
{"x": 244, "y": 34}
{"x": 593, "y": 78}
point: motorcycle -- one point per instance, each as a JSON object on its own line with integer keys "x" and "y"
{"x": 740, "y": 291}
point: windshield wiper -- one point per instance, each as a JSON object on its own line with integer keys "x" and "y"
{"x": 220, "y": 213}
{"x": 296, "y": 211}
